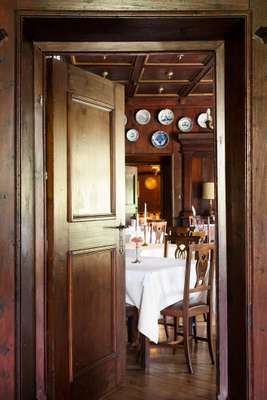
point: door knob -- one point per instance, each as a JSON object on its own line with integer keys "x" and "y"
{"x": 119, "y": 227}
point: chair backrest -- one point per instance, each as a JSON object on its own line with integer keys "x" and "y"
{"x": 178, "y": 230}
{"x": 159, "y": 227}
{"x": 201, "y": 234}
{"x": 203, "y": 255}
{"x": 182, "y": 242}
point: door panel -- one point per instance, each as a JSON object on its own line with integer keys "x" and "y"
{"x": 85, "y": 197}
{"x": 85, "y": 165}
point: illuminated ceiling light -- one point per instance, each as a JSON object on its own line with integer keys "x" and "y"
{"x": 180, "y": 57}
{"x": 151, "y": 183}
{"x": 170, "y": 74}
{"x": 161, "y": 89}
{"x": 105, "y": 74}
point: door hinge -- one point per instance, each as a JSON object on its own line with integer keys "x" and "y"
{"x": 46, "y": 175}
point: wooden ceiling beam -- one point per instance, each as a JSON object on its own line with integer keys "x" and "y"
{"x": 187, "y": 89}
{"x": 135, "y": 75}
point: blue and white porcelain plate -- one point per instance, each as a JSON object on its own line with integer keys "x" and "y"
{"x": 142, "y": 117}
{"x": 166, "y": 116}
{"x": 160, "y": 139}
{"x": 185, "y": 124}
{"x": 132, "y": 135}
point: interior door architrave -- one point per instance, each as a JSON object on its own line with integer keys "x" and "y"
{"x": 223, "y": 374}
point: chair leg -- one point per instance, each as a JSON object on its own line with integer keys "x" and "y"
{"x": 187, "y": 345}
{"x": 209, "y": 336}
{"x": 175, "y": 327}
{"x": 166, "y": 327}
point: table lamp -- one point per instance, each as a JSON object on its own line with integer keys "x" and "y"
{"x": 208, "y": 194}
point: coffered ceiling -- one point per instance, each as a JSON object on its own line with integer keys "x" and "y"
{"x": 155, "y": 74}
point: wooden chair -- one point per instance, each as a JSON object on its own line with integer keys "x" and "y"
{"x": 182, "y": 243}
{"x": 159, "y": 227}
{"x": 132, "y": 322}
{"x": 201, "y": 234}
{"x": 190, "y": 307}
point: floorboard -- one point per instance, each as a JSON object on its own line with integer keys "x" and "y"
{"x": 168, "y": 378}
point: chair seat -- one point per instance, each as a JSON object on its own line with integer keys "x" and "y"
{"x": 131, "y": 310}
{"x": 176, "y": 309}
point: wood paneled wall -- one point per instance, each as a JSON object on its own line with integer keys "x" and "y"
{"x": 258, "y": 278}
{"x": 203, "y": 165}
{"x": 193, "y": 152}
{"x": 8, "y": 205}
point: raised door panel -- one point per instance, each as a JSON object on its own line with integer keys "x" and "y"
{"x": 91, "y": 293}
{"x": 89, "y": 152}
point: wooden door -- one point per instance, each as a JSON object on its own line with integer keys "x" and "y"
{"x": 85, "y": 197}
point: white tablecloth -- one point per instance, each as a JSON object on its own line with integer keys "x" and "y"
{"x": 152, "y": 250}
{"x": 151, "y": 286}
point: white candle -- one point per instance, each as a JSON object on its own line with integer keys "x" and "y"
{"x": 145, "y": 221}
{"x": 137, "y": 222}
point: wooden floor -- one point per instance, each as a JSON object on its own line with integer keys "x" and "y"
{"x": 168, "y": 378}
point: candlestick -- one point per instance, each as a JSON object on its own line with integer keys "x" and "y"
{"x": 145, "y": 232}
{"x": 137, "y": 222}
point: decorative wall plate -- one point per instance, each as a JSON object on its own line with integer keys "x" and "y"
{"x": 125, "y": 119}
{"x": 202, "y": 120}
{"x": 132, "y": 135}
{"x": 142, "y": 117}
{"x": 160, "y": 139}
{"x": 166, "y": 116}
{"x": 185, "y": 124}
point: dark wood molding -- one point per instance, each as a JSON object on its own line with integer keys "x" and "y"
{"x": 262, "y": 33}
{"x": 197, "y": 144}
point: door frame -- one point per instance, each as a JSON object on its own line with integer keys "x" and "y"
{"x": 34, "y": 105}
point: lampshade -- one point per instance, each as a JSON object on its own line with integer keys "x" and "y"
{"x": 208, "y": 190}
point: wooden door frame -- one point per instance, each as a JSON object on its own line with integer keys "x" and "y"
{"x": 34, "y": 105}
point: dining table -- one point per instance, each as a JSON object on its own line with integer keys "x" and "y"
{"x": 153, "y": 284}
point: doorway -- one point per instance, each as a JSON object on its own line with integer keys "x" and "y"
{"x": 221, "y": 210}
{"x": 167, "y": 200}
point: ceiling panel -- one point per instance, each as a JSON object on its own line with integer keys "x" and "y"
{"x": 173, "y": 74}
{"x": 163, "y": 73}
{"x": 106, "y": 59}
{"x": 178, "y": 58}
{"x": 121, "y": 74}
{"x": 158, "y": 89}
